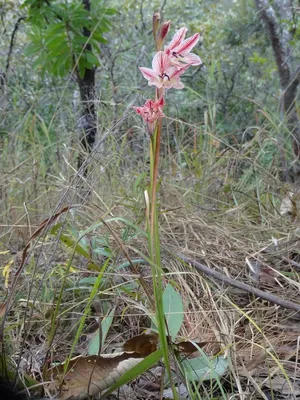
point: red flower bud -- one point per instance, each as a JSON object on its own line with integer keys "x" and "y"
{"x": 162, "y": 33}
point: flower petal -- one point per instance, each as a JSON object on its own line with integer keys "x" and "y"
{"x": 151, "y": 76}
{"x": 191, "y": 59}
{"x": 161, "y": 62}
{"x": 177, "y": 39}
{"x": 187, "y": 45}
{"x": 151, "y": 111}
{"x": 174, "y": 78}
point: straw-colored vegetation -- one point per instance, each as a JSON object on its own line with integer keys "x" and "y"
{"x": 74, "y": 240}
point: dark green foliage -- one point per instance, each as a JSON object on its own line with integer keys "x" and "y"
{"x": 56, "y": 34}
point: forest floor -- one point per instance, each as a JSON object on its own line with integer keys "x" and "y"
{"x": 251, "y": 239}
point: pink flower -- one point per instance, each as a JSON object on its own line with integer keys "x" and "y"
{"x": 179, "y": 49}
{"x": 163, "y": 73}
{"x": 151, "y": 111}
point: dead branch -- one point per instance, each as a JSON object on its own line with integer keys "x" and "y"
{"x": 240, "y": 285}
{"x": 11, "y": 46}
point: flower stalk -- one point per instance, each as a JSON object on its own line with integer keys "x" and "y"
{"x": 167, "y": 67}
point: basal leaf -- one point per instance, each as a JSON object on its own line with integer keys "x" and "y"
{"x": 204, "y": 369}
{"x": 71, "y": 243}
{"x": 173, "y": 309}
{"x": 105, "y": 326}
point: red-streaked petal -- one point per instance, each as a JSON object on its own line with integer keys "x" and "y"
{"x": 177, "y": 39}
{"x": 149, "y": 104}
{"x": 155, "y": 115}
{"x": 191, "y": 59}
{"x": 139, "y": 110}
{"x": 151, "y": 110}
{"x": 151, "y": 76}
{"x": 179, "y": 71}
{"x": 148, "y": 73}
{"x": 160, "y": 63}
{"x": 187, "y": 45}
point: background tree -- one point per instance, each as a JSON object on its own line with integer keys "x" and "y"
{"x": 281, "y": 26}
{"x": 66, "y": 36}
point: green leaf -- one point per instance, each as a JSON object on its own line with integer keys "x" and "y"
{"x": 90, "y": 280}
{"x": 204, "y": 369}
{"x": 91, "y": 58}
{"x": 110, "y": 11}
{"x": 52, "y": 42}
{"x": 39, "y": 62}
{"x": 105, "y": 326}
{"x": 81, "y": 67}
{"x": 103, "y": 251}
{"x": 97, "y": 36}
{"x": 173, "y": 309}
{"x": 55, "y": 228}
{"x": 60, "y": 48}
{"x": 31, "y": 49}
{"x": 127, "y": 264}
{"x": 71, "y": 243}
{"x": 56, "y": 29}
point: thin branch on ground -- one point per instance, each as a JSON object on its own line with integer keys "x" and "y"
{"x": 240, "y": 285}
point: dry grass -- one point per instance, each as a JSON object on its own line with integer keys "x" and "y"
{"x": 220, "y": 228}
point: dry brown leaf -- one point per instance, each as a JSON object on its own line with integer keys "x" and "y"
{"x": 147, "y": 343}
{"x": 282, "y": 386}
{"x": 261, "y": 273}
{"x": 3, "y": 307}
{"x": 143, "y": 344}
{"x": 289, "y": 205}
{"x": 189, "y": 347}
{"x": 87, "y": 376}
{"x": 257, "y": 361}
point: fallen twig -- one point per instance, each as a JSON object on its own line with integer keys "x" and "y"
{"x": 240, "y": 285}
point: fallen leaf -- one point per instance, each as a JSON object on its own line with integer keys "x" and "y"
{"x": 181, "y": 390}
{"x": 3, "y": 307}
{"x": 143, "y": 344}
{"x": 190, "y": 347}
{"x": 288, "y": 205}
{"x": 149, "y": 385}
{"x": 87, "y": 376}
{"x": 281, "y": 385}
{"x": 261, "y": 273}
{"x": 147, "y": 343}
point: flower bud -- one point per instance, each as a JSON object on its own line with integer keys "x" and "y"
{"x": 155, "y": 23}
{"x": 162, "y": 33}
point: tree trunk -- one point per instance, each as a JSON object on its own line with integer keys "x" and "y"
{"x": 86, "y": 85}
{"x": 280, "y": 36}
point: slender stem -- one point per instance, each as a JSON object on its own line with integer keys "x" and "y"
{"x": 154, "y": 248}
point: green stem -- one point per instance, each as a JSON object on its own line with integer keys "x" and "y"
{"x": 154, "y": 248}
